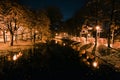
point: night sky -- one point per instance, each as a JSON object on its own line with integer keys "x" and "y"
{"x": 67, "y": 7}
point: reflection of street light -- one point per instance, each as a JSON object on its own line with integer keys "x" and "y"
{"x": 95, "y": 64}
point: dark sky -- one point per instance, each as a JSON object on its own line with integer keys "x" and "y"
{"x": 67, "y": 7}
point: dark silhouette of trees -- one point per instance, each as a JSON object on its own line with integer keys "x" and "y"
{"x": 55, "y": 17}
{"x": 43, "y": 25}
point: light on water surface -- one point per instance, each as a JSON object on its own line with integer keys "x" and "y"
{"x": 16, "y": 56}
{"x": 95, "y": 64}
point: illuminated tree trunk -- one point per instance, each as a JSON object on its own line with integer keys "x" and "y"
{"x": 96, "y": 15}
{"x": 112, "y": 36}
{"x": 109, "y": 36}
{"x": 34, "y": 36}
{"x": 86, "y": 37}
{"x": 16, "y": 35}
{"x": 96, "y": 38}
{"x": 22, "y": 35}
{"x": 111, "y": 19}
{"x": 40, "y": 35}
{"x": 11, "y": 39}
{"x": 4, "y": 37}
{"x": 31, "y": 34}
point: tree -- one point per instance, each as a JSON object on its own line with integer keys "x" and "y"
{"x": 105, "y": 12}
{"x": 55, "y": 17}
{"x": 29, "y": 21}
{"x": 43, "y": 25}
{"x": 12, "y": 14}
{"x": 2, "y": 25}
{"x": 72, "y": 26}
{"x": 38, "y": 23}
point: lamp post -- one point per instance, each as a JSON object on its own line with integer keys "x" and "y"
{"x": 96, "y": 38}
{"x": 113, "y": 26}
{"x": 97, "y": 30}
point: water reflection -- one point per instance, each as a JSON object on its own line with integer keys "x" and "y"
{"x": 16, "y": 56}
{"x": 48, "y": 61}
{"x": 95, "y": 64}
{"x": 13, "y": 56}
{"x": 90, "y": 62}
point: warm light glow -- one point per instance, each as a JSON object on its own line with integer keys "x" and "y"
{"x": 111, "y": 45}
{"x": 56, "y": 41}
{"x": 36, "y": 31}
{"x": 90, "y": 28}
{"x": 97, "y": 27}
{"x": 56, "y": 34}
{"x": 9, "y": 58}
{"x": 87, "y": 57}
{"x": 15, "y": 57}
{"x": 64, "y": 33}
{"x": 19, "y": 54}
{"x": 95, "y": 64}
{"x": 88, "y": 35}
{"x": 63, "y": 44}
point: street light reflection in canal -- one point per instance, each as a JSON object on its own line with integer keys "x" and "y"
{"x": 95, "y": 64}
{"x": 16, "y": 56}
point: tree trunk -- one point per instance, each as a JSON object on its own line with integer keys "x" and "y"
{"x": 31, "y": 34}
{"x": 4, "y": 37}
{"x": 40, "y": 35}
{"x": 34, "y": 37}
{"x": 86, "y": 38}
{"x": 94, "y": 48}
{"x": 96, "y": 38}
{"x": 109, "y": 32}
{"x": 22, "y": 35}
{"x": 111, "y": 20}
{"x": 113, "y": 37}
{"x": 11, "y": 39}
{"x": 16, "y": 35}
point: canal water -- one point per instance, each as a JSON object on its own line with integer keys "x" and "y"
{"x": 51, "y": 61}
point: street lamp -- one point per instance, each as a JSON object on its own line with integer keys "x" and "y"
{"x": 97, "y": 30}
{"x": 96, "y": 38}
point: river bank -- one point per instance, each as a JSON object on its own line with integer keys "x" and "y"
{"x": 20, "y": 45}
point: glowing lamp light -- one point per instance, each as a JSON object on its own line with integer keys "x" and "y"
{"x": 15, "y": 57}
{"x": 56, "y": 41}
{"x": 19, "y": 54}
{"x": 63, "y": 44}
{"x": 97, "y": 27}
{"x": 95, "y": 64}
{"x": 56, "y": 34}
